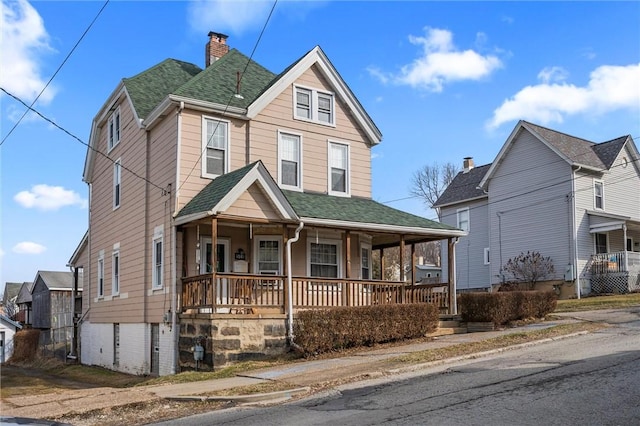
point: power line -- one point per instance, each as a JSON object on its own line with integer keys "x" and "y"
{"x": 55, "y": 73}
{"x": 264, "y": 27}
{"x": 80, "y": 140}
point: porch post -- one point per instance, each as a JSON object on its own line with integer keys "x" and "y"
{"x": 451, "y": 273}
{"x": 402, "y": 273}
{"x": 214, "y": 261}
{"x": 413, "y": 264}
{"x": 382, "y": 264}
{"x": 624, "y": 244}
{"x": 346, "y": 287}
{"x": 285, "y": 267}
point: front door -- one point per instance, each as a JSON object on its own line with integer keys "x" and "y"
{"x": 222, "y": 264}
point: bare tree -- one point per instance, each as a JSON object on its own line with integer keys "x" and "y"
{"x": 430, "y": 181}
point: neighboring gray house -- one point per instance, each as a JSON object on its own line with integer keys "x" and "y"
{"x": 568, "y": 198}
{"x": 23, "y": 301}
{"x": 8, "y": 329}
{"x": 53, "y": 305}
{"x": 9, "y": 307}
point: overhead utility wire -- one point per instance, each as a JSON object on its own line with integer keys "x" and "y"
{"x": 255, "y": 46}
{"x": 55, "y": 73}
{"x": 80, "y": 140}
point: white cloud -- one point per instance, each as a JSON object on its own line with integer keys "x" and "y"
{"x": 1, "y": 253}
{"x": 29, "y": 247}
{"x": 441, "y": 63}
{"x": 23, "y": 40}
{"x": 553, "y": 74}
{"x": 229, "y": 16}
{"x": 45, "y": 197}
{"x": 610, "y": 88}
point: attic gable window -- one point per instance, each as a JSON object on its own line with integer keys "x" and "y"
{"x": 314, "y": 105}
{"x": 215, "y": 145}
{"x": 113, "y": 125}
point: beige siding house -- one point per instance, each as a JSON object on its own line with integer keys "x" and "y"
{"x": 225, "y": 199}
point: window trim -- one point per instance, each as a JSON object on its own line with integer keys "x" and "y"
{"x": 595, "y": 242}
{"x": 114, "y": 123}
{"x": 100, "y": 273}
{"x": 299, "y": 186}
{"x": 328, "y": 241}
{"x": 487, "y": 256}
{"x": 117, "y": 183}
{"x": 596, "y": 183}
{"x": 227, "y": 149}
{"x": 115, "y": 275}
{"x": 366, "y": 246}
{"x": 330, "y": 191}
{"x": 157, "y": 276}
{"x": 458, "y": 212}
{"x": 314, "y": 105}
{"x": 256, "y": 247}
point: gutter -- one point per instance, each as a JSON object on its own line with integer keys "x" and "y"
{"x": 575, "y": 233}
{"x": 290, "y": 284}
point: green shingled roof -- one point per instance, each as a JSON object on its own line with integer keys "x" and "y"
{"x": 217, "y": 83}
{"x": 214, "y": 192}
{"x": 360, "y": 210}
{"x": 150, "y": 87}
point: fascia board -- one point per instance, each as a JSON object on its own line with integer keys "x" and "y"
{"x": 466, "y": 200}
{"x": 190, "y": 218}
{"x": 316, "y": 56}
{"x": 385, "y": 228}
{"x": 199, "y": 105}
{"x": 78, "y": 250}
{"x": 500, "y": 156}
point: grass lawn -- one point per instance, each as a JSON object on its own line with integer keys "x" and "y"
{"x": 599, "y": 302}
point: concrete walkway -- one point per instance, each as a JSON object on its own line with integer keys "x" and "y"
{"x": 299, "y": 375}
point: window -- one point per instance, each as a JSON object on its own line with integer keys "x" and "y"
{"x": 463, "y": 219}
{"x": 338, "y": 169}
{"x": 487, "y": 258}
{"x": 114, "y": 130}
{"x": 117, "y": 183}
{"x": 601, "y": 243}
{"x": 268, "y": 255}
{"x": 365, "y": 262}
{"x": 629, "y": 244}
{"x": 101, "y": 273}
{"x": 598, "y": 193}
{"x": 313, "y": 105}
{"x": 290, "y": 148}
{"x": 215, "y": 141}
{"x": 324, "y": 259}
{"x": 157, "y": 254}
{"x": 115, "y": 273}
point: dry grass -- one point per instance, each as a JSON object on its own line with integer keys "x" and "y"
{"x": 599, "y": 302}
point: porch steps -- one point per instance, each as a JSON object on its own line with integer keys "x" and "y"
{"x": 448, "y": 324}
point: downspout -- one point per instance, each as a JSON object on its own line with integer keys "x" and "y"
{"x": 290, "y": 284}
{"x": 454, "y": 297}
{"x": 174, "y": 279}
{"x": 575, "y": 233}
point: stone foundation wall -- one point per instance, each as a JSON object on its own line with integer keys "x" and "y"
{"x": 228, "y": 338}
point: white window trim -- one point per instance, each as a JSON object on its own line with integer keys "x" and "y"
{"x": 118, "y": 132}
{"x": 300, "y": 174}
{"x": 115, "y": 279}
{"x": 347, "y": 193}
{"x": 117, "y": 182}
{"x": 256, "y": 247}
{"x": 630, "y": 240}
{"x": 595, "y": 241}
{"x": 487, "y": 254}
{"x": 595, "y": 204}
{"x": 458, "y": 211}
{"x": 314, "y": 105}
{"x": 158, "y": 236}
{"x": 366, "y": 246}
{"x": 227, "y": 154}
{"x": 335, "y": 242}
{"x": 101, "y": 273}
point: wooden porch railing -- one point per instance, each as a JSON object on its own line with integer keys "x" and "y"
{"x": 234, "y": 293}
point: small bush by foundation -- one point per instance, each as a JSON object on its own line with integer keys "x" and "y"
{"x": 503, "y": 307}
{"x": 326, "y": 330}
{"x": 25, "y": 345}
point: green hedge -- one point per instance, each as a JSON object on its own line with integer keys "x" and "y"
{"x": 326, "y": 330}
{"x": 503, "y": 307}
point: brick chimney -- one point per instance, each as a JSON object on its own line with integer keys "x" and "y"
{"x": 216, "y": 48}
{"x": 467, "y": 164}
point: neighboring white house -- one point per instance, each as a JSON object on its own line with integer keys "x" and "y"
{"x": 574, "y": 200}
{"x": 8, "y": 329}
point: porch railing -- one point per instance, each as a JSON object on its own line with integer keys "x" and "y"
{"x": 234, "y": 293}
{"x": 621, "y": 261}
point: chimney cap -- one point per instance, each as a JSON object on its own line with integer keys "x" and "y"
{"x": 219, "y": 35}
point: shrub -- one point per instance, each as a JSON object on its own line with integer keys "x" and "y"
{"x": 25, "y": 345}
{"x": 325, "y": 330}
{"x": 529, "y": 268}
{"x": 501, "y": 308}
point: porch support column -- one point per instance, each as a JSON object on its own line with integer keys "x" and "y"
{"x": 214, "y": 261}
{"x": 413, "y": 264}
{"x": 402, "y": 273}
{"x": 347, "y": 275}
{"x": 624, "y": 244}
{"x": 451, "y": 272}
{"x": 382, "y": 264}
{"x": 285, "y": 266}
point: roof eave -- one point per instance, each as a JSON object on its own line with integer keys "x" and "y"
{"x": 205, "y": 106}
{"x": 466, "y": 200}
{"x": 445, "y": 233}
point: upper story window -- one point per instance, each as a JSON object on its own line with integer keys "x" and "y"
{"x": 598, "y": 194}
{"x": 157, "y": 259}
{"x": 215, "y": 145}
{"x": 290, "y": 153}
{"x": 463, "y": 219}
{"x": 339, "y": 179}
{"x": 101, "y": 273}
{"x": 113, "y": 125}
{"x": 117, "y": 183}
{"x": 314, "y": 105}
{"x": 115, "y": 272}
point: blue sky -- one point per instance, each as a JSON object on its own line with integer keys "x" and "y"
{"x": 442, "y": 80}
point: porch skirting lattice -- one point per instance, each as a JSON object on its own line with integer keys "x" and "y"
{"x": 620, "y": 282}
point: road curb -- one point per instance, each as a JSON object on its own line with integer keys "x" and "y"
{"x": 244, "y": 399}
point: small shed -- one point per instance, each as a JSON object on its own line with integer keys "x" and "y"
{"x": 24, "y": 304}
{"x": 53, "y": 304}
{"x": 8, "y": 329}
